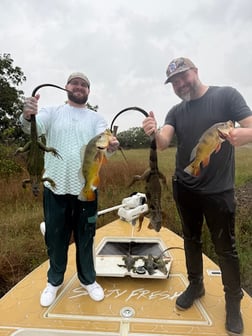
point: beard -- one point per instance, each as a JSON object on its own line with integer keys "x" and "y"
{"x": 191, "y": 94}
{"x": 185, "y": 96}
{"x": 77, "y": 100}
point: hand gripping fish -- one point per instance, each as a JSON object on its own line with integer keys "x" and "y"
{"x": 93, "y": 156}
{"x": 210, "y": 142}
{"x": 35, "y": 153}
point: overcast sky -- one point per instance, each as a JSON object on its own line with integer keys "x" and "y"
{"x": 124, "y": 48}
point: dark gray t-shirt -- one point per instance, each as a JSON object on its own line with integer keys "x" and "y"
{"x": 190, "y": 120}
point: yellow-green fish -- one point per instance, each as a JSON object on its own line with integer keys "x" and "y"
{"x": 94, "y": 157}
{"x": 210, "y": 142}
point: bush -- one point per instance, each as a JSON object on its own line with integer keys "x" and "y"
{"x": 8, "y": 166}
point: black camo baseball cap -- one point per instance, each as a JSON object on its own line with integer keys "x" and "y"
{"x": 178, "y": 65}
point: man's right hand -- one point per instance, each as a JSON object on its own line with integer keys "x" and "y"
{"x": 30, "y": 107}
{"x": 150, "y": 124}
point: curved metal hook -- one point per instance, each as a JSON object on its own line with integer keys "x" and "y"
{"x": 139, "y": 109}
{"x": 52, "y": 85}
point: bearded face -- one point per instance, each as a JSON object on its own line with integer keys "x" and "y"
{"x": 78, "y": 91}
{"x": 79, "y": 98}
{"x": 186, "y": 85}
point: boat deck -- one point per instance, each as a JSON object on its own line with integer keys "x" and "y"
{"x": 132, "y": 306}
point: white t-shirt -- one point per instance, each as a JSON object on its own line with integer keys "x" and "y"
{"x": 67, "y": 129}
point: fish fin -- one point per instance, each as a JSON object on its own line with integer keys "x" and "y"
{"x": 81, "y": 197}
{"x": 196, "y": 171}
{"x": 100, "y": 157}
{"x": 87, "y": 195}
{"x": 205, "y": 162}
{"x": 218, "y": 147}
{"x": 82, "y": 152}
{"x": 192, "y": 170}
{"x": 104, "y": 159}
{"x": 81, "y": 177}
{"x": 90, "y": 195}
{"x": 189, "y": 170}
{"x": 193, "y": 153}
{"x": 95, "y": 182}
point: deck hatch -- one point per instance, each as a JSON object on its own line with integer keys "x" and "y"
{"x": 111, "y": 251}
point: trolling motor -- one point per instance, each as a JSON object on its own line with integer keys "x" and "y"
{"x": 130, "y": 209}
{"x": 133, "y": 207}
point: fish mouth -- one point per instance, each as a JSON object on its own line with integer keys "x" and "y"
{"x": 101, "y": 147}
{"x": 223, "y": 135}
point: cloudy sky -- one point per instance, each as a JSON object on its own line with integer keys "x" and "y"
{"x": 124, "y": 47}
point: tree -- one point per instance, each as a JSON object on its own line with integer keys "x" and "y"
{"x": 134, "y": 138}
{"x": 91, "y": 107}
{"x": 11, "y": 99}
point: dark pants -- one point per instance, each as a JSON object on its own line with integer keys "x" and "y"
{"x": 219, "y": 213}
{"x": 65, "y": 214}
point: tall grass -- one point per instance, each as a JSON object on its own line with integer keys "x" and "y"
{"x": 22, "y": 246}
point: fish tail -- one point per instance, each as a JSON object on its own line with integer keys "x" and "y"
{"x": 81, "y": 196}
{"x": 87, "y": 195}
{"x": 192, "y": 170}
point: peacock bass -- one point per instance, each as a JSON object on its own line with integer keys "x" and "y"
{"x": 93, "y": 156}
{"x": 210, "y": 142}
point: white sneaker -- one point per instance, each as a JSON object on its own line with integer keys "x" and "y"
{"x": 49, "y": 295}
{"x": 95, "y": 291}
{"x": 42, "y": 228}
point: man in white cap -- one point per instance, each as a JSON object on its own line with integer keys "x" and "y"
{"x": 67, "y": 128}
{"x": 208, "y": 194}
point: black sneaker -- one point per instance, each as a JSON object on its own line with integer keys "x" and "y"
{"x": 193, "y": 292}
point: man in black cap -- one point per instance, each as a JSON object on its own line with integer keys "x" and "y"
{"x": 209, "y": 193}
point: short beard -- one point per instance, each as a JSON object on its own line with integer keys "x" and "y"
{"x": 186, "y": 97}
{"x": 192, "y": 94}
{"x": 77, "y": 100}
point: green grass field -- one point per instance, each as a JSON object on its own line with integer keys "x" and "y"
{"x": 22, "y": 246}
